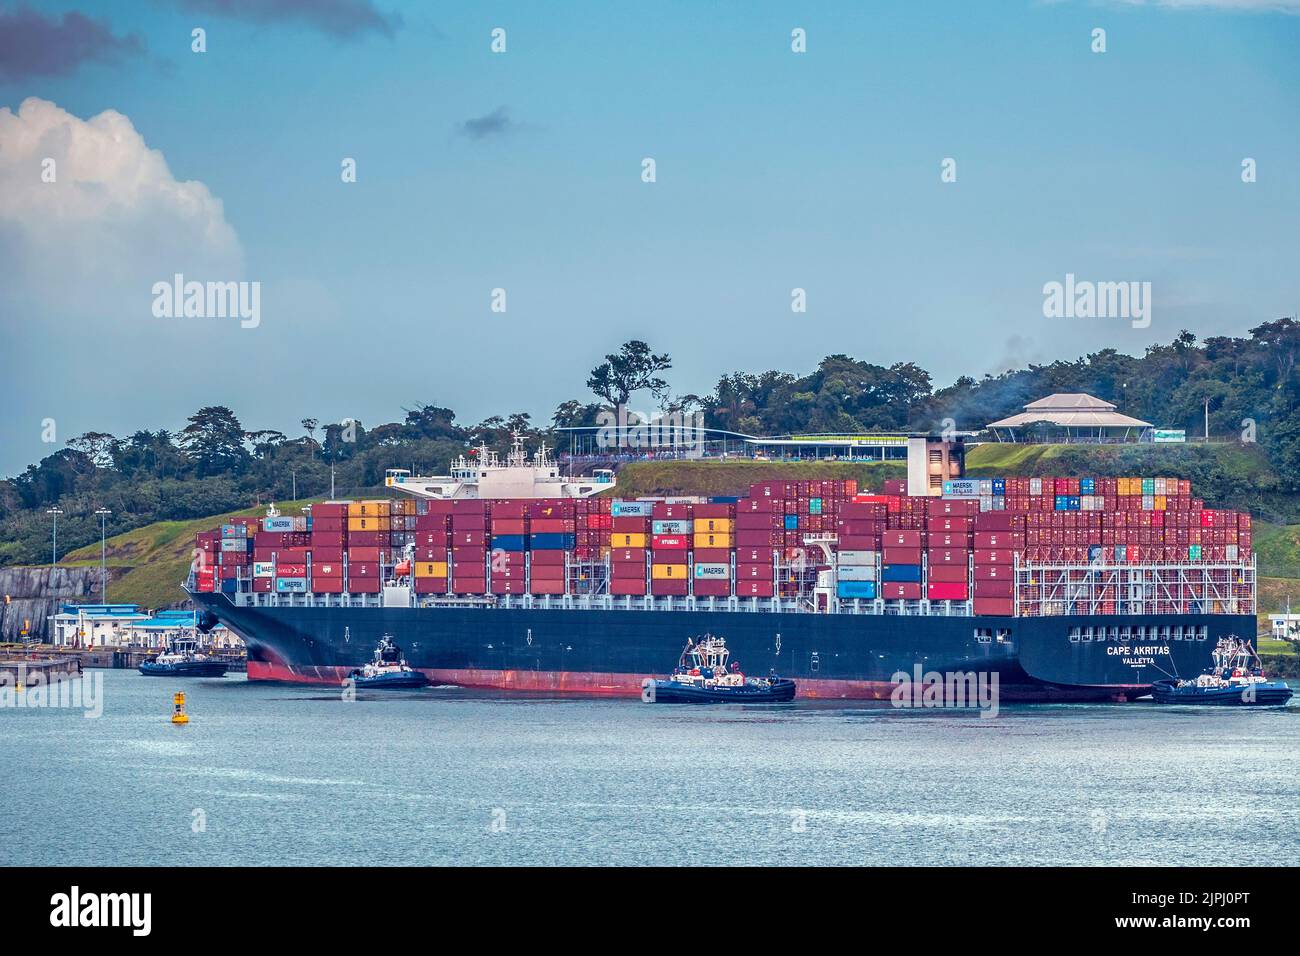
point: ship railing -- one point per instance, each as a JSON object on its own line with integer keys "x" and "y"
{"x": 1098, "y": 587}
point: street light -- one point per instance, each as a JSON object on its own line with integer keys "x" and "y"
{"x": 54, "y": 542}
{"x": 103, "y": 553}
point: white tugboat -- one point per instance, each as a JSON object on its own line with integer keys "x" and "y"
{"x": 703, "y": 676}
{"x": 388, "y": 670}
{"x": 1236, "y": 680}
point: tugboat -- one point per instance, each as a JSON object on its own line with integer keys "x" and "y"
{"x": 388, "y": 670}
{"x": 1236, "y": 680}
{"x": 703, "y": 677}
{"x": 184, "y": 659}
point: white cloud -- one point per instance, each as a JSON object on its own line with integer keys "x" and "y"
{"x": 114, "y": 220}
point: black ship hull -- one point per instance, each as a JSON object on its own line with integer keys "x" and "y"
{"x": 612, "y": 652}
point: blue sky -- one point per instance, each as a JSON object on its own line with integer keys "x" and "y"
{"x": 775, "y": 170}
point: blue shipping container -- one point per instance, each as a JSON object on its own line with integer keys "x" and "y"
{"x": 555, "y": 541}
{"x": 509, "y": 542}
{"x": 901, "y": 573}
{"x": 857, "y": 589}
{"x": 999, "y": 486}
{"x": 1086, "y": 486}
{"x": 791, "y": 522}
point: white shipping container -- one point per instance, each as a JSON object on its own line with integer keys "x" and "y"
{"x": 868, "y": 558}
{"x": 855, "y": 572}
{"x": 713, "y": 572}
{"x": 1035, "y": 486}
{"x": 263, "y": 569}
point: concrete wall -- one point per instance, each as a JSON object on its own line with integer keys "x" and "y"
{"x": 37, "y": 592}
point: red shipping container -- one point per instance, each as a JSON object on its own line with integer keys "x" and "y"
{"x": 900, "y": 591}
{"x": 669, "y": 587}
{"x": 363, "y": 555}
{"x": 625, "y": 524}
{"x": 546, "y": 586}
{"x": 902, "y": 539}
{"x": 363, "y": 585}
{"x": 670, "y": 542}
{"x": 752, "y": 572}
{"x": 1003, "y": 607}
{"x": 266, "y": 585}
{"x": 714, "y": 511}
{"x": 627, "y": 569}
{"x": 712, "y": 556}
{"x": 759, "y": 521}
{"x": 472, "y": 555}
{"x": 430, "y": 585}
{"x": 366, "y": 539}
{"x": 635, "y": 556}
{"x": 948, "y": 573}
{"x": 508, "y": 526}
{"x": 951, "y": 523}
{"x": 951, "y": 556}
{"x": 623, "y": 586}
{"x": 468, "y": 522}
{"x": 548, "y": 557}
{"x": 946, "y": 591}
{"x": 986, "y": 556}
{"x": 994, "y": 589}
{"x": 712, "y": 588}
{"x": 329, "y": 509}
{"x": 362, "y": 570}
{"x": 897, "y": 555}
{"x": 754, "y": 556}
{"x": 754, "y": 588}
{"x": 468, "y": 585}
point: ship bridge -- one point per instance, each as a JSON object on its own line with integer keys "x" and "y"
{"x": 487, "y": 475}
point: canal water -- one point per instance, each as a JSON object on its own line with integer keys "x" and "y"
{"x": 273, "y": 774}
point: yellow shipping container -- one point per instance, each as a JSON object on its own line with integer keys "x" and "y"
{"x": 673, "y": 571}
{"x": 706, "y": 540}
{"x": 354, "y": 509}
{"x": 1161, "y": 501}
{"x": 713, "y": 524}
{"x": 431, "y": 569}
{"x": 368, "y": 524}
{"x": 617, "y": 540}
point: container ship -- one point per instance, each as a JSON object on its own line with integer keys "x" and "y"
{"x": 507, "y": 575}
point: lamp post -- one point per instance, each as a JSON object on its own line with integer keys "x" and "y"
{"x": 54, "y": 541}
{"x": 103, "y": 553}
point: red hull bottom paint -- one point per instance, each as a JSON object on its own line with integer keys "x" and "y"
{"x": 616, "y": 685}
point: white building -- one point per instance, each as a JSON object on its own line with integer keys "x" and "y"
{"x": 125, "y": 625}
{"x": 1285, "y": 627}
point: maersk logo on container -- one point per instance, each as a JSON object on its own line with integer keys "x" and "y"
{"x": 1098, "y": 300}
{"x": 179, "y": 299}
{"x": 711, "y": 570}
{"x": 961, "y": 488}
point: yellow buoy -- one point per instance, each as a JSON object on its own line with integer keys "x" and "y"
{"x": 178, "y": 715}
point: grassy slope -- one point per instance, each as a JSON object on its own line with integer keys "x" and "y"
{"x": 147, "y": 565}
{"x": 647, "y": 478}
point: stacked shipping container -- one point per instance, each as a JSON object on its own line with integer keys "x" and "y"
{"x": 892, "y": 547}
